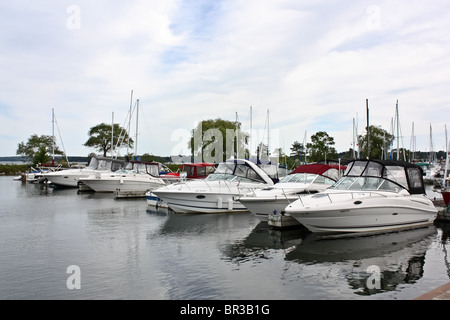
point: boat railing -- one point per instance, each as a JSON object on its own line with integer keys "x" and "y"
{"x": 369, "y": 193}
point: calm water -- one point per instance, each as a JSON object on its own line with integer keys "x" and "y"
{"x": 125, "y": 250}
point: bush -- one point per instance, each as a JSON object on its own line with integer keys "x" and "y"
{"x": 13, "y": 169}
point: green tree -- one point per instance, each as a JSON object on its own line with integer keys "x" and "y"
{"x": 38, "y": 149}
{"x": 100, "y": 138}
{"x": 298, "y": 151}
{"x": 320, "y": 147}
{"x": 380, "y": 142}
{"x": 218, "y": 139}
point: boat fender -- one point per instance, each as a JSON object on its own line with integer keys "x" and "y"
{"x": 230, "y": 205}
{"x": 219, "y": 203}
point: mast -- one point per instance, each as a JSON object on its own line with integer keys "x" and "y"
{"x": 53, "y": 137}
{"x": 413, "y": 143}
{"x": 447, "y": 152}
{"x": 137, "y": 124}
{"x": 268, "y": 135}
{"x": 251, "y": 134}
{"x": 398, "y": 136}
{"x": 129, "y": 120}
{"x": 368, "y": 129}
{"x": 112, "y": 135}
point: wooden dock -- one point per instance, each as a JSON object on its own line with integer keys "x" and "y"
{"x": 119, "y": 194}
{"x": 440, "y": 293}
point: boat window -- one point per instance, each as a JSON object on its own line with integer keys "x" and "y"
{"x": 225, "y": 168}
{"x": 299, "y": 177}
{"x": 210, "y": 169}
{"x": 190, "y": 171}
{"x": 103, "y": 165}
{"x": 414, "y": 177}
{"x": 116, "y": 166}
{"x": 93, "y": 164}
{"x": 389, "y": 185}
{"x": 396, "y": 174}
{"x": 345, "y": 183}
{"x": 371, "y": 183}
{"x": 201, "y": 171}
{"x": 270, "y": 169}
{"x": 373, "y": 169}
{"x": 357, "y": 168}
{"x": 153, "y": 170}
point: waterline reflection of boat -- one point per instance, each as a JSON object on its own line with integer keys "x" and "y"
{"x": 372, "y": 196}
{"x": 372, "y": 263}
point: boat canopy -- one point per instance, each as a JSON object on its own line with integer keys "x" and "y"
{"x": 198, "y": 170}
{"x": 326, "y": 170}
{"x": 257, "y": 171}
{"x": 404, "y": 174}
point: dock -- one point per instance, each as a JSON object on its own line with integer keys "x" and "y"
{"x": 440, "y": 293}
{"x": 120, "y": 194}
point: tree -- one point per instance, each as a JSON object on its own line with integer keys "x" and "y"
{"x": 380, "y": 142}
{"x": 217, "y": 140}
{"x": 100, "y": 138}
{"x": 38, "y": 149}
{"x": 320, "y": 147}
{"x": 297, "y": 151}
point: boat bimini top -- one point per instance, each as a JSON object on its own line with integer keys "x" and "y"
{"x": 382, "y": 175}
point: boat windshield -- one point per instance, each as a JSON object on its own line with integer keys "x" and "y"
{"x": 104, "y": 165}
{"x": 236, "y": 171}
{"x": 366, "y": 183}
{"x": 93, "y": 164}
{"x": 306, "y": 178}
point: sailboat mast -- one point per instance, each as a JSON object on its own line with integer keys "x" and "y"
{"x": 129, "y": 121}
{"x": 112, "y": 135}
{"x": 251, "y": 134}
{"x": 368, "y": 129}
{"x": 398, "y": 133}
{"x": 53, "y": 137}
{"x": 137, "y": 125}
{"x": 444, "y": 184}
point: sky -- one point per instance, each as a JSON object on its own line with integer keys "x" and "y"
{"x": 302, "y": 66}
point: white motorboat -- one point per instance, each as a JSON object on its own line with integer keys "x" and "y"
{"x": 304, "y": 180}
{"x": 133, "y": 180}
{"x": 188, "y": 171}
{"x": 70, "y": 177}
{"x": 218, "y": 192}
{"x": 372, "y": 196}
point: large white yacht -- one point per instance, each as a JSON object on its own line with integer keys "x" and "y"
{"x": 218, "y": 192}
{"x": 372, "y": 196}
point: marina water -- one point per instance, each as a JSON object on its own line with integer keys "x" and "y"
{"x": 62, "y": 244}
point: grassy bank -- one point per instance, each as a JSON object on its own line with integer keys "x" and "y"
{"x": 13, "y": 169}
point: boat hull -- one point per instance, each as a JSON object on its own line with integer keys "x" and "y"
{"x": 206, "y": 202}
{"x": 263, "y": 207}
{"x": 68, "y": 179}
{"x": 363, "y": 212}
{"x": 124, "y": 184}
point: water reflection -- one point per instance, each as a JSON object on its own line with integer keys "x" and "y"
{"x": 371, "y": 264}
